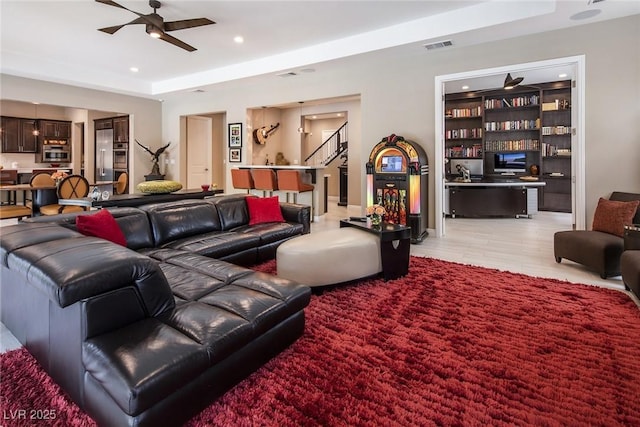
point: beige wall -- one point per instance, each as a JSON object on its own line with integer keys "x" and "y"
{"x": 397, "y": 96}
{"x": 85, "y": 105}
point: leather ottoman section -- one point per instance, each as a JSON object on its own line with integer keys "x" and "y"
{"x": 209, "y": 267}
{"x": 143, "y": 363}
{"x": 178, "y": 407}
{"x": 256, "y": 299}
{"x": 272, "y": 231}
{"x": 216, "y": 244}
{"x": 221, "y": 331}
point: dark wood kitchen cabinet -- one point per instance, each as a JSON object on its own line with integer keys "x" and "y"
{"x": 55, "y": 129}
{"x": 10, "y": 134}
{"x": 121, "y": 129}
{"x": 17, "y": 135}
{"x": 28, "y": 140}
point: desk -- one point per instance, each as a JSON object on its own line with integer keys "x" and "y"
{"x": 395, "y": 243}
{"x": 504, "y": 198}
{"x": 139, "y": 199}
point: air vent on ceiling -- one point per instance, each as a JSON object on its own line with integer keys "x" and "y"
{"x": 594, "y": 1}
{"x": 287, "y": 74}
{"x": 438, "y": 45}
{"x": 197, "y": 90}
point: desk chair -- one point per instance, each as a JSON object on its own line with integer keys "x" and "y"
{"x": 242, "y": 179}
{"x": 265, "y": 180}
{"x": 290, "y": 181}
{"x": 71, "y": 187}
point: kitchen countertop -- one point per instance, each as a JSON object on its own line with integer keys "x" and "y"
{"x": 30, "y": 170}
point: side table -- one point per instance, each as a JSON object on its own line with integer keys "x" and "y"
{"x": 395, "y": 242}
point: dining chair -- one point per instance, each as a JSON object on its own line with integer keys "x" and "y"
{"x": 121, "y": 183}
{"x": 70, "y": 188}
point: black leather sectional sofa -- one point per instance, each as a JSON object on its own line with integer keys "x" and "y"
{"x": 151, "y": 333}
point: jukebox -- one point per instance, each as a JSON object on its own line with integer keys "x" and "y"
{"x": 397, "y": 179}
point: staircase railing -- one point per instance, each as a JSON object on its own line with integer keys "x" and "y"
{"x": 331, "y": 148}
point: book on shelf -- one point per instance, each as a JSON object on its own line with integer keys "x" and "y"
{"x": 456, "y": 113}
{"x": 516, "y": 101}
{"x": 512, "y": 145}
{"x": 512, "y": 125}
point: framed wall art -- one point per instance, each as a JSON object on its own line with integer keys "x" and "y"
{"x": 235, "y": 155}
{"x": 235, "y": 134}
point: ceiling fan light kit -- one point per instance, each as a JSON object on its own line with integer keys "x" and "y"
{"x": 510, "y": 83}
{"x": 155, "y": 25}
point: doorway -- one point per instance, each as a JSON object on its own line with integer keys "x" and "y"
{"x": 577, "y": 65}
{"x": 204, "y": 136}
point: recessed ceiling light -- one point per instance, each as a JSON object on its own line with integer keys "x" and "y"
{"x": 465, "y": 87}
{"x": 134, "y": 69}
{"x": 238, "y": 39}
{"x": 339, "y": 114}
{"x": 563, "y": 75}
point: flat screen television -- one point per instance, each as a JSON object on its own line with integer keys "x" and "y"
{"x": 511, "y": 162}
{"x": 391, "y": 164}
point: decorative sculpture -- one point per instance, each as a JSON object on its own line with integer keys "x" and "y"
{"x": 155, "y": 157}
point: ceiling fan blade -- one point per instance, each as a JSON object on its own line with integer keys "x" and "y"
{"x": 114, "y": 4}
{"x": 187, "y": 23}
{"x": 111, "y": 30}
{"x": 174, "y": 41}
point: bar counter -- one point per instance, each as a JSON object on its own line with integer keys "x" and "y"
{"x": 311, "y": 173}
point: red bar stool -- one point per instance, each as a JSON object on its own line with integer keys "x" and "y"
{"x": 265, "y": 180}
{"x": 242, "y": 179}
{"x": 290, "y": 181}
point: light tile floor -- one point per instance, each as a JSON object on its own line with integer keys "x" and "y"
{"x": 517, "y": 245}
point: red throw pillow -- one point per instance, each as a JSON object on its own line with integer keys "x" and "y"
{"x": 101, "y": 224}
{"x": 611, "y": 216}
{"x": 265, "y": 209}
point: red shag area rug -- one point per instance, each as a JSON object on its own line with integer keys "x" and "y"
{"x": 449, "y": 344}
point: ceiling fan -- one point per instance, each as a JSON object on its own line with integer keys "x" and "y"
{"x": 156, "y": 27}
{"x": 510, "y": 83}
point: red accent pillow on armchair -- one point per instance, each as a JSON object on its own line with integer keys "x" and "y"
{"x": 611, "y": 216}
{"x": 101, "y": 224}
{"x": 264, "y": 209}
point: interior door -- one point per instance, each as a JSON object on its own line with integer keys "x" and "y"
{"x": 199, "y": 144}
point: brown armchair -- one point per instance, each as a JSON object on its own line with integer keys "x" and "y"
{"x": 597, "y": 250}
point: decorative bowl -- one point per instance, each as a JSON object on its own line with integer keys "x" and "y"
{"x": 158, "y": 187}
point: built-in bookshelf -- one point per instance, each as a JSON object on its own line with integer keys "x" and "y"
{"x": 534, "y": 120}
{"x": 556, "y": 147}
{"x": 463, "y": 127}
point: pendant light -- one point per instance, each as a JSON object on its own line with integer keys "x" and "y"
{"x": 35, "y": 130}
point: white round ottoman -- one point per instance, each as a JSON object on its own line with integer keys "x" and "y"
{"x": 329, "y": 257}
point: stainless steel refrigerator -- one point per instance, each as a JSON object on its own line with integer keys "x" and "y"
{"x": 104, "y": 155}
